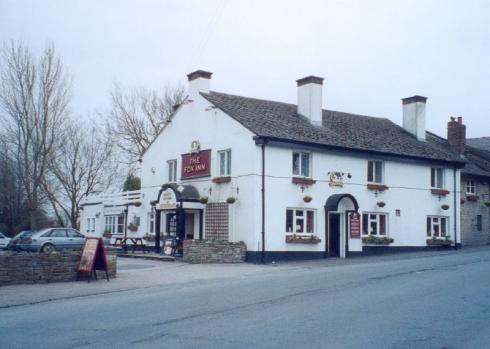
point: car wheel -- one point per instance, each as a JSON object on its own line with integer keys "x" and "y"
{"x": 48, "y": 248}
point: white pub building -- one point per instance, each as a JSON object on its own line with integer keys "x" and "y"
{"x": 290, "y": 181}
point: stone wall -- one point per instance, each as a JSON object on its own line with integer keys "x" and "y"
{"x": 469, "y": 212}
{"x": 214, "y": 251}
{"x": 32, "y": 268}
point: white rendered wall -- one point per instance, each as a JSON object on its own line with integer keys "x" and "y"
{"x": 412, "y": 197}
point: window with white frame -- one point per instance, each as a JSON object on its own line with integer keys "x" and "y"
{"x": 374, "y": 223}
{"x": 375, "y": 172}
{"x": 300, "y": 221}
{"x": 172, "y": 170}
{"x": 114, "y": 224}
{"x": 470, "y": 187}
{"x": 437, "y": 226}
{"x": 437, "y": 177}
{"x": 301, "y": 163}
{"x": 224, "y": 157}
{"x": 151, "y": 222}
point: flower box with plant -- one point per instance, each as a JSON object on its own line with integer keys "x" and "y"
{"x": 439, "y": 192}
{"x": 303, "y": 181}
{"x": 133, "y": 227}
{"x": 377, "y": 240}
{"x": 307, "y": 198}
{"x": 377, "y": 187}
{"x": 302, "y": 239}
{"x": 472, "y": 197}
{"x": 435, "y": 241}
{"x": 221, "y": 179}
{"x": 107, "y": 234}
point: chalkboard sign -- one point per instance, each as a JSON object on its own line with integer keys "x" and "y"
{"x": 169, "y": 246}
{"x": 93, "y": 258}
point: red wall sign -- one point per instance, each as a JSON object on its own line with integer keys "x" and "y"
{"x": 196, "y": 164}
{"x": 355, "y": 225}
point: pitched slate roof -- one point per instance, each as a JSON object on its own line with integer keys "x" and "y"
{"x": 482, "y": 143}
{"x": 280, "y": 121}
{"x": 477, "y": 160}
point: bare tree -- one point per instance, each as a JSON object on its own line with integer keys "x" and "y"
{"x": 34, "y": 98}
{"x": 81, "y": 166}
{"x": 137, "y": 116}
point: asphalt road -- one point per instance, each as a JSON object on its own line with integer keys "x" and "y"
{"x": 440, "y": 301}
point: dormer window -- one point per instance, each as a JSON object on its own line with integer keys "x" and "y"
{"x": 375, "y": 172}
{"x": 301, "y": 164}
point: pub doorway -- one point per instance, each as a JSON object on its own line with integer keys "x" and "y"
{"x": 337, "y": 211}
{"x": 334, "y": 233}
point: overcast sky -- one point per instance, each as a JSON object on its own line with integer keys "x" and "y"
{"x": 371, "y": 53}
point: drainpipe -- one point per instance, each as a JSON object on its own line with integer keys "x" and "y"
{"x": 263, "y": 202}
{"x": 455, "y": 211}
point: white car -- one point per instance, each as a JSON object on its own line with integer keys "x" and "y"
{"x": 4, "y": 241}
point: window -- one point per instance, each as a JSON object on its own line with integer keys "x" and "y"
{"x": 88, "y": 225}
{"x": 437, "y": 226}
{"x": 479, "y": 225}
{"x": 172, "y": 170}
{"x": 93, "y": 225}
{"x": 58, "y": 233}
{"x": 375, "y": 172}
{"x": 300, "y": 221}
{"x": 151, "y": 222}
{"x": 301, "y": 164}
{"x": 224, "y": 157}
{"x": 114, "y": 224}
{"x": 374, "y": 224}
{"x": 470, "y": 187}
{"x": 437, "y": 177}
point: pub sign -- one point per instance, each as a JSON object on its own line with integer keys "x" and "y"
{"x": 196, "y": 164}
{"x": 355, "y": 225}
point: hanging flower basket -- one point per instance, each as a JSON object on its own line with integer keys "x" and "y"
{"x": 203, "y": 199}
{"x": 462, "y": 201}
{"x": 137, "y": 203}
{"x": 132, "y": 227}
{"x": 381, "y": 204}
{"x": 231, "y": 200}
{"x": 445, "y": 207}
{"x": 307, "y": 198}
{"x": 487, "y": 203}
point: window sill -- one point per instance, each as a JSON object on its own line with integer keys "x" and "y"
{"x": 472, "y": 197}
{"x": 440, "y": 192}
{"x": 303, "y": 180}
{"x": 377, "y": 186}
{"x": 221, "y": 179}
{"x": 377, "y": 240}
{"x": 303, "y": 239}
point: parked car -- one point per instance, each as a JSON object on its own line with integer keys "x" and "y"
{"x": 13, "y": 242}
{"x": 4, "y": 241}
{"x": 50, "y": 240}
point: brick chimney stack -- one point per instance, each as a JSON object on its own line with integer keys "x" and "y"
{"x": 456, "y": 134}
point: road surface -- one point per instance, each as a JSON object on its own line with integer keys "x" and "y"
{"x": 437, "y": 301}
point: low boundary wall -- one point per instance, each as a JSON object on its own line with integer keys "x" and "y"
{"x": 31, "y": 268}
{"x": 214, "y": 251}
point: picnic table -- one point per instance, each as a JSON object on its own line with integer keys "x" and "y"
{"x": 135, "y": 243}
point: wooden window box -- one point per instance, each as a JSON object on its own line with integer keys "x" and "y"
{"x": 472, "y": 197}
{"x": 222, "y": 179}
{"x": 440, "y": 192}
{"x": 295, "y": 239}
{"x": 377, "y": 240}
{"x": 439, "y": 242}
{"x": 377, "y": 186}
{"x": 303, "y": 181}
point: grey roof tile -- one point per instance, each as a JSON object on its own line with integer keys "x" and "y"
{"x": 340, "y": 130}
